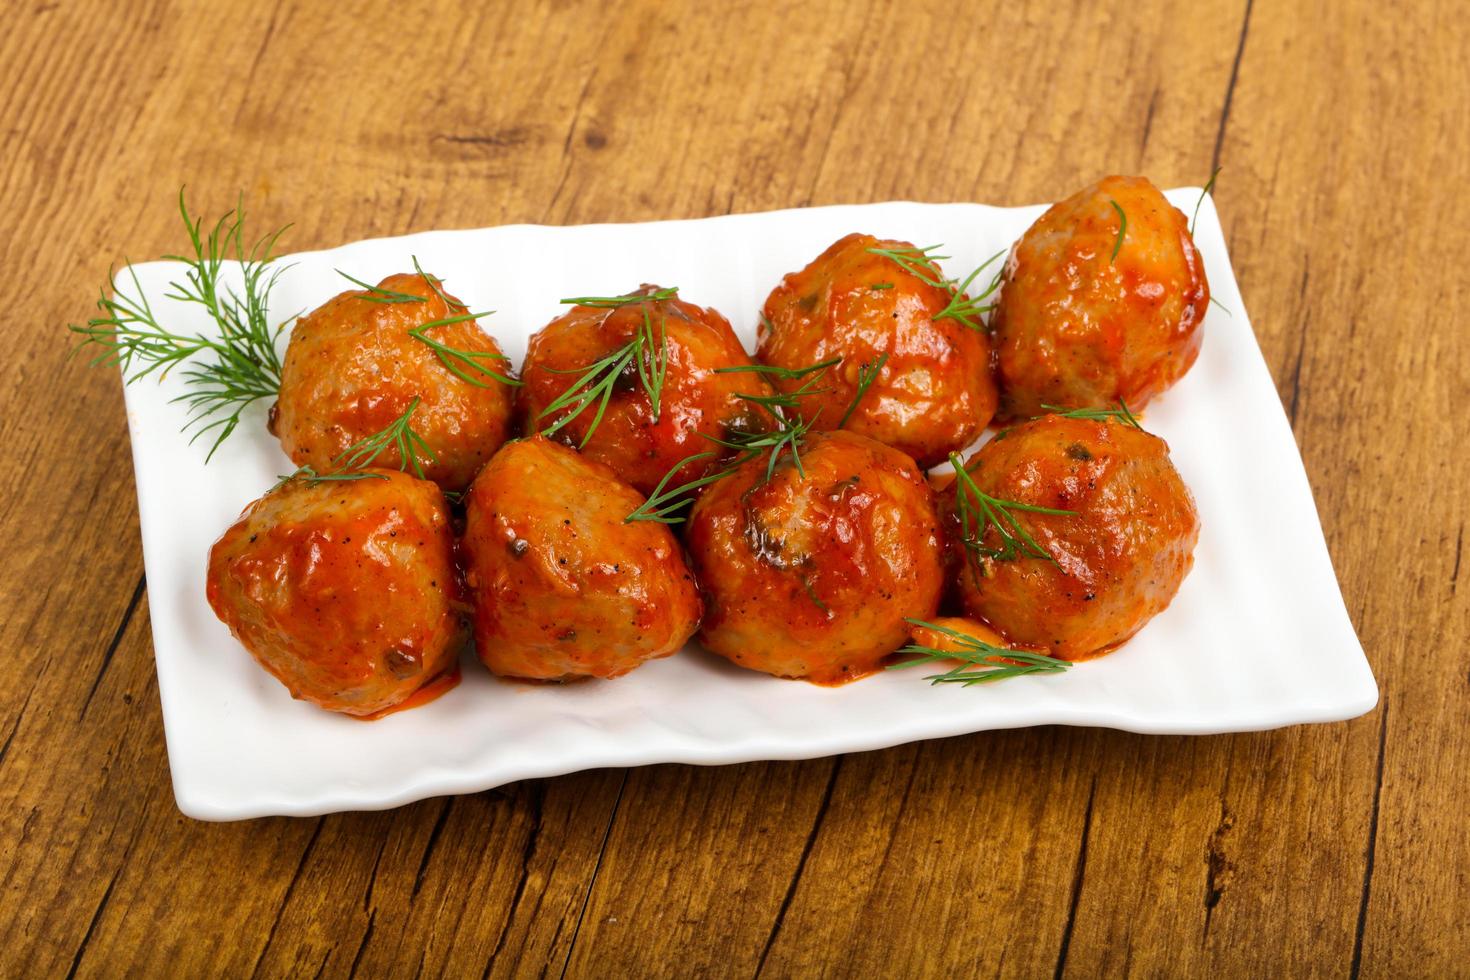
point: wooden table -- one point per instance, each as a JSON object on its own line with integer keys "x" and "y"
{"x": 1342, "y": 130}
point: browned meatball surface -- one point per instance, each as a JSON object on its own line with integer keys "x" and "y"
{"x": 1115, "y": 560}
{"x": 933, "y": 395}
{"x": 562, "y": 586}
{"x": 1077, "y": 327}
{"x": 345, "y": 591}
{"x": 352, "y": 367}
{"x": 697, "y": 399}
{"x": 812, "y": 575}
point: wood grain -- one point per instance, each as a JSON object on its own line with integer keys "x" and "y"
{"x": 1342, "y": 130}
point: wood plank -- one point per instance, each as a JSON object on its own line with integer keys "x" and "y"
{"x": 1335, "y": 849}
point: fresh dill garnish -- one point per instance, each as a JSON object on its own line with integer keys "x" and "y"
{"x": 811, "y": 593}
{"x": 348, "y": 464}
{"x": 627, "y": 299}
{"x": 966, "y": 310}
{"x": 377, "y": 294}
{"x": 981, "y": 662}
{"x": 979, "y": 511}
{"x": 779, "y": 372}
{"x": 921, "y": 263}
{"x": 880, "y": 285}
{"x": 1121, "y": 413}
{"x": 1122, "y": 229}
{"x": 787, "y": 399}
{"x": 1204, "y": 193}
{"x": 775, "y": 443}
{"x": 647, "y": 352}
{"x": 916, "y": 261}
{"x": 243, "y": 365}
{"x": 435, "y": 283}
{"x": 663, "y": 505}
{"x": 460, "y": 361}
{"x": 866, "y": 376}
{"x": 1223, "y": 307}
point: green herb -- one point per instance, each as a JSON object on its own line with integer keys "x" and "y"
{"x": 811, "y": 593}
{"x": 663, "y": 505}
{"x": 1122, "y": 229}
{"x": 363, "y": 453}
{"x": 1208, "y": 189}
{"x": 649, "y": 354}
{"x": 981, "y": 662}
{"x": 1223, "y": 308}
{"x": 434, "y": 283}
{"x": 880, "y": 285}
{"x": 627, "y": 299}
{"x": 866, "y": 377}
{"x": 1121, "y": 413}
{"x": 791, "y": 399}
{"x": 377, "y": 294}
{"x": 920, "y": 263}
{"x": 979, "y": 511}
{"x": 917, "y": 262}
{"x": 969, "y": 311}
{"x": 787, "y": 436}
{"x": 242, "y": 366}
{"x": 779, "y": 372}
{"x": 460, "y": 361}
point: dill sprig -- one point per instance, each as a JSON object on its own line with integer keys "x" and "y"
{"x": 1122, "y": 229}
{"x": 435, "y": 283}
{"x": 779, "y": 372}
{"x": 242, "y": 363}
{"x": 1204, "y": 193}
{"x": 921, "y": 263}
{"x": 979, "y": 511}
{"x": 460, "y": 361}
{"x": 981, "y": 662}
{"x": 627, "y": 299}
{"x": 377, "y": 294}
{"x": 1121, "y": 413}
{"x": 866, "y": 376}
{"x": 647, "y": 353}
{"x": 664, "y": 504}
{"x": 456, "y": 360}
{"x": 348, "y": 464}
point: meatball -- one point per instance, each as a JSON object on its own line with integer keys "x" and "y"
{"x": 1078, "y": 327}
{"x": 352, "y": 367}
{"x": 811, "y": 573}
{"x": 933, "y": 395}
{"x": 345, "y": 591}
{"x": 639, "y": 440}
{"x": 1080, "y": 583}
{"x": 563, "y": 587}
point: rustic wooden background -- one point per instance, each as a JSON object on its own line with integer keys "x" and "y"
{"x": 1342, "y": 129}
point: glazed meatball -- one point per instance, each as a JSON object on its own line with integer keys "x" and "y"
{"x": 811, "y": 573}
{"x": 933, "y": 395}
{"x": 352, "y": 368}
{"x": 345, "y": 591}
{"x": 1077, "y": 327}
{"x": 697, "y": 399}
{"x": 1096, "y": 574}
{"x": 563, "y": 587}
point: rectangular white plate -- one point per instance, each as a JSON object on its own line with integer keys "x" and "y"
{"x": 1257, "y": 638}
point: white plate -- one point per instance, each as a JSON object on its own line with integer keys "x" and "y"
{"x": 1257, "y": 638}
